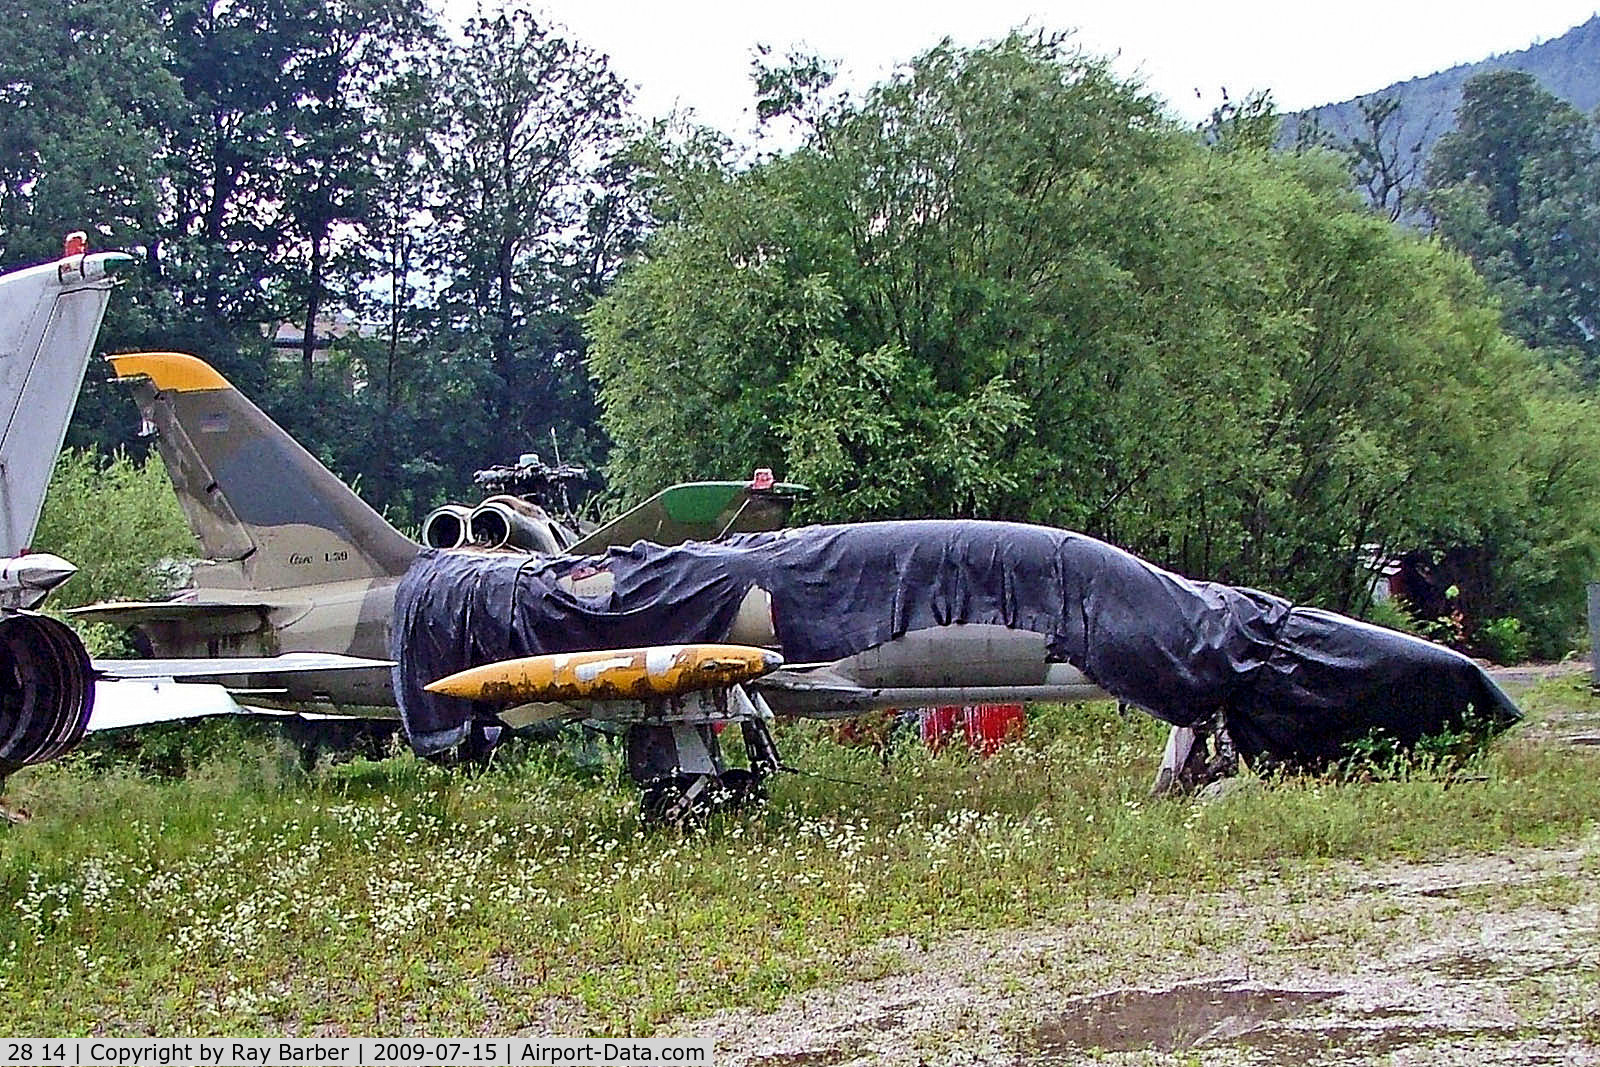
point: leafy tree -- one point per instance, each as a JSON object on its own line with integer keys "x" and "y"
{"x": 536, "y": 122}
{"x": 85, "y": 110}
{"x": 361, "y": 48}
{"x": 1516, "y": 187}
{"x": 401, "y": 381}
{"x": 227, "y": 156}
{"x": 301, "y": 160}
{"x": 1002, "y": 284}
{"x": 1386, "y": 157}
{"x": 87, "y": 102}
{"x": 1251, "y": 124}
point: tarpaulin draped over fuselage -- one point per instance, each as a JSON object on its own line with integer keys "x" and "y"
{"x": 1297, "y": 684}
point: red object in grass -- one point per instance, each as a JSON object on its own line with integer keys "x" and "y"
{"x": 985, "y": 727}
{"x": 989, "y": 726}
{"x": 937, "y": 725}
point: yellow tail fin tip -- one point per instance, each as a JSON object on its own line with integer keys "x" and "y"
{"x": 170, "y": 371}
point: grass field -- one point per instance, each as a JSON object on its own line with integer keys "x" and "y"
{"x": 251, "y": 896}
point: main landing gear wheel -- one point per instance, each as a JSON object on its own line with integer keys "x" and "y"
{"x": 686, "y": 800}
{"x": 740, "y": 787}
{"x": 681, "y": 773}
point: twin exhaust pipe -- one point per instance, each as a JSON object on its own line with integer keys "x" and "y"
{"x": 503, "y": 522}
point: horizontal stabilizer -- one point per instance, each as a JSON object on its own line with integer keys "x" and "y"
{"x": 222, "y": 670}
{"x": 119, "y": 705}
{"x": 143, "y": 612}
{"x": 144, "y": 702}
{"x": 322, "y": 678}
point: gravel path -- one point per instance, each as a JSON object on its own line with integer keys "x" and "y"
{"x": 1489, "y": 959}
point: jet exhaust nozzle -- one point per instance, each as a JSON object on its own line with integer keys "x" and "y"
{"x": 509, "y": 522}
{"x": 48, "y": 693}
{"x": 446, "y": 527}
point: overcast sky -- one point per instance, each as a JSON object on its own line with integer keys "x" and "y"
{"x": 696, "y": 53}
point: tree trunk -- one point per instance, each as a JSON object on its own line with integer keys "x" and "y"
{"x": 308, "y": 343}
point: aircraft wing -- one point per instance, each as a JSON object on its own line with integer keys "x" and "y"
{"x": 224, "y": 669}
{"x": 146, "y": 701}
{"x": 131, "y": 702}
{"x": 294, "y": 677}
{"x": 697, "y": 511}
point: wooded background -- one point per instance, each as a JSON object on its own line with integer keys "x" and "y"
{"x": 1003, "y": 283}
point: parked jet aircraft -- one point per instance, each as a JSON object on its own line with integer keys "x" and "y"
{"x": 293, "y": 602}
{"x": 672, "y": 639}
{"x": 49, "y": 318}
{"x": 296, "y": 563}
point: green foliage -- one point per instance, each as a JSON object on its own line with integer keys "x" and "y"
{"x": 1504, "y": 640}
{"x": 1542, "y": 539}
{"x": 1251, "y": 125}
{"x": 534, "y": 218}
{"x": 251, "y": 896}
{"x": 1447, "y": 754}
{"x": 85, "y": 114}
{"x": 919, "y": 449}
{"x": 182, "y": 749}
{"x": 1001, "y": 284}
{"x": 1392, "y": 614}
{"x": 436, "y": 213}
{"x": 1516, "y": 187}
{"x": 118, "y": 520}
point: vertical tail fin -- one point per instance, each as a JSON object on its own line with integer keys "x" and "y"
{"x": 251, "y": 493}
{"x": 49, "y": 319}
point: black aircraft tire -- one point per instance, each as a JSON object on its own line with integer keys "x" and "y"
{"x": 660, "y": 798}
{"x": 740, "y": 787}
{"x": 661, "y": 801}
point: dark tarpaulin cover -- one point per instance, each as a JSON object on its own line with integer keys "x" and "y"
{"x": 1296, "y": 684}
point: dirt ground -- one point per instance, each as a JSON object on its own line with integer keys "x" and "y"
{"x": 1483, "y": 959}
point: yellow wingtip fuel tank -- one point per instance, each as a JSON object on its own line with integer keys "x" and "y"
{"x": 610, "y": 674}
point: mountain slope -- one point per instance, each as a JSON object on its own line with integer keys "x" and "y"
{"x": 1568, "y": 66}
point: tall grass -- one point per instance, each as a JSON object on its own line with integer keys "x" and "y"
{"x": 253, "y": 896}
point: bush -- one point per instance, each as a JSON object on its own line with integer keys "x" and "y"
{"x": 1392, "y": 613}
{"x": 119, "y": 521}
{"x": 1504, "y": 640}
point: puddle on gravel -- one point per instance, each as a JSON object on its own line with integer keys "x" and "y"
{"x": 1467, "y": 968}
{"x": 819, "y": 1057}
{"x": 1474, "y": 968}
{"x": 1169, "y": 1020}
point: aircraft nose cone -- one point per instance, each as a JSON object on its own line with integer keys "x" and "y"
{"x": 41, "y": 570}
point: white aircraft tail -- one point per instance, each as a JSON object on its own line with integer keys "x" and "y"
{"x": 49, "y": 319}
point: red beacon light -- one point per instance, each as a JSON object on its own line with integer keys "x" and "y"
{"x": 762, "y": 478}
{"x": 76, "y": 244}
